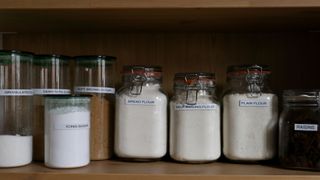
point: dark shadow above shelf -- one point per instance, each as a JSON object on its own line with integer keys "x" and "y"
{"x": 161, "y": 19}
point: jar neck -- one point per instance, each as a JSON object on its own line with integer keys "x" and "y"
{"x": 244, "y": 84}
{"x": 192, "y": 96}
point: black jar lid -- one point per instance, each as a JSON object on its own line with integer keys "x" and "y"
{"x": 46, "y": 59}
{"x": 51, "y": 56}
{"x": 198, "y": 80}
{"x": 6, "y": 56}
{"x": 110, "y": 59}
{"x": 18, "y": 52}
{"x": 302, "y": 97}
{"x": 235, "y": 70}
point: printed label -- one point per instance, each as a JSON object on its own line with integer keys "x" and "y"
{"x": 51, "y": 91}
{"x": 88, "y": 89}
{"x": 254, "y": 103}
{"x": 144, "y": 102}
{"x": 186, "y": 107}
{"x": 305, "y": 127}
{"x": 80, "y": 124}
{"x": 16, "y": 92}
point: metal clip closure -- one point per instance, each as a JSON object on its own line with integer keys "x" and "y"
{"x": 137, "y": 81}
{"x": 191, "y": 88}
{"x": 254, "y": 79}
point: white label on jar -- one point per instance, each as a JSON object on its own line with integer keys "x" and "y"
{"x": 51, "y": 91}
{"x": 91, "y": 89}
{"x": 305, "y": 127}
{"x": 254, "y": 103}
{"x": 143, "y": 102}
{"x": 16, "y": 92}
{"x": 72, "y": 124}
{"x": 186, "y": 107}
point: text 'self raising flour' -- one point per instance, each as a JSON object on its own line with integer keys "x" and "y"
{"x": 141, "y": 115}
{"x": 250, "y": 114}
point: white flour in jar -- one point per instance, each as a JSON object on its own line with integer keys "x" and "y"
{"x": 195, "y": 132}
{"x": 15, "y": 150}
{"x": 67, "y": 137}
{"x": 141, "y": 124}
{"x": 250, "y": 126}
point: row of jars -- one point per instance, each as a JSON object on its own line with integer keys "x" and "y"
{"x": 74, "y": 126}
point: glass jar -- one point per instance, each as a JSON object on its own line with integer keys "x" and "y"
{"x": 15, "y": 108}
{"x": 141, "y": 115}
{"x": 299, "y": 136}
{"x": 67, "y": 131}
{"x": 250, "y": 114}
{"x": 194, "y": 119}
{"x": 51, "y": 77}
{"x": 95, "y": 76}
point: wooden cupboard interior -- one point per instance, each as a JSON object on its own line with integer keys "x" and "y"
{"x": 180, "y": 36}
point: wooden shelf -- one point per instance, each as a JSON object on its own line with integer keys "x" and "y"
{"x": 112, "y": 170}
{"x": 117, "y": 27}
{"x": 108, "y": 4}
{"x": 158, "y": 15}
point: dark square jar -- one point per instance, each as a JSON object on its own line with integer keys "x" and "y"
{"x": 299, "y": 135}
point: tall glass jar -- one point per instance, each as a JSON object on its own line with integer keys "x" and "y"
{"x": 250, "y": 114}
{"x": 299, "y": 135}
{"x": 141, "y": 115}
{"x": 194, "y": 118}
{"x": 94, "y": 76}
{"x": 67, "y": 131}
{"x": 51, "y": 77}
{"x": 15, "y": 108}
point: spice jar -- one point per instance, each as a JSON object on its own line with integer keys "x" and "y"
{"x": 51, "y": 77}
{"x": 299, "y": 136}
{"x": 141, "y": 115}
{"x": 194, "y": 119}
{"x": 95, "y": 76}
{"x": 15, "y": 107}
{"x": 67, "y": 131}
{"x": 250, "y": 114}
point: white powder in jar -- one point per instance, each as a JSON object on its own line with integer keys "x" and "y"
{"x": 195, "y": 132}
{"x": 141, "y": 124}
{"x": 250, "y": 126}
{"x": 15, "y": 150}
{"x": 67, "y": 137}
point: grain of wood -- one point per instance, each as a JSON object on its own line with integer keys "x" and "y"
{"x": 292, "y": 56}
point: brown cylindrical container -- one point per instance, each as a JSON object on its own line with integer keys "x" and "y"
{"x": 94, "y": 76}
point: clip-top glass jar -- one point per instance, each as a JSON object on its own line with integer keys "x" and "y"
{"x": 250, "y": 114}
{"x": 299, "y": 135}
{"x": 15, "y": 108}
{"x": 141, "y": 115}
{"x": 194, "y": 118}
{"x": 51, "y": 77}
{"x": 95, "y": 76}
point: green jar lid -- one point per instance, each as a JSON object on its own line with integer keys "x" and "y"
{"x": 91, "y": 60}
{"x": 47, "y": 59}
{"x": 6, "y": 56}
{"x": 68, "y": 98}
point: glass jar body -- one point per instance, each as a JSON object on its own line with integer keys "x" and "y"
{"x": 15, "y": 107}
{"x": 67, "y": 131}
{"x": 95, "y": 76}
{"x": 195, "y": 129}
{"x": 299, "y": 135}
{"x": 250, "y": 119}
{"x": 141, "y": 123}
{"x": 51, "y": 77}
